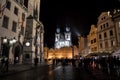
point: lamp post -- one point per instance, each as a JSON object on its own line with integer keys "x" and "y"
{"x": 7, "y": 43}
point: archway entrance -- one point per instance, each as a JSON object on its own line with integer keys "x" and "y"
{"x": 17, "y": 52}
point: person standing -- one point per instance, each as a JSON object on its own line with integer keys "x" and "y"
{"x": 3, "y": 64}
{"x": 6, "y": 64}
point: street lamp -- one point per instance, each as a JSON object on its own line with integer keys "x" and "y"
{"x": 7, "y": 43}
{"x": 27, "y": 43}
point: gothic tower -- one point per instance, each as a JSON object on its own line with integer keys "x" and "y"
{"x": 34, "y": 34}
{"x": 63, "y": 39}
{"x": 68, "y": 36}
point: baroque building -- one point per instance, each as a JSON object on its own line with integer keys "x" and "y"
{"x": 63, "y": 39}
{"x": 106, "y": 33}
{"x": 116, "y": 19}
{"x": 92, "y": 40}
{"x": 82, "y": 45}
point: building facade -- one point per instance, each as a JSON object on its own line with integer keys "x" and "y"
{"x": 106, "y": 33}
{"x": 13, "y": 25}
{"x": 63, "y": 39}
{"x": 82, "y": 45}
{"x": 92, "y": 40}
{"x": 34, "y": 34}
{"x": 116, "y": 19}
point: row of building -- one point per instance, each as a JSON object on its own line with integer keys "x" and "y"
{"x": 21, "y": 31}
{"x": 104, "y": 37}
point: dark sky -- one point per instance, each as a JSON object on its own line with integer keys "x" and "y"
{"x": 79, "y": 14}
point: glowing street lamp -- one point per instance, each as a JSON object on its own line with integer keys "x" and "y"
{"x": 27, "y": 43}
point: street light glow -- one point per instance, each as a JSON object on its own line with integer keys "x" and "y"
{"x": 27, "y": 44}
{"x": 5, "y": 40}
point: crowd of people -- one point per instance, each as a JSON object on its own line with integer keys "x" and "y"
{"x": 107, "y": 64}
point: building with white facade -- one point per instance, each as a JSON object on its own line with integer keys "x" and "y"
{"x": 63, "y": 39}
{"x": 14, "y": 22}
{"x": 12, "y": 25}
{"x": 106, "y": 33}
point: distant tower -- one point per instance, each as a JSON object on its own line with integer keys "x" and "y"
{"x": 57, "y": 37}
{"x": 63, "y": 40}
{"x": 67, "y": 36}
{"x": 57, "y": 34}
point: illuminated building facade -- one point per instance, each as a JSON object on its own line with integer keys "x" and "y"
{"x": 92, "y": 40}
{"x": 19, "y": 19}
{"x": 106, "y": 33}
{"x": 63, "y": 39}
{"x": 82, "y": 45}
{"x": 116, "y": 19}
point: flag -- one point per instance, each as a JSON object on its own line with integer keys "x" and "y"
{"x": 21, "y": 21}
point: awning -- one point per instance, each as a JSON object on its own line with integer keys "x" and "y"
{"x": 98, "y": 54}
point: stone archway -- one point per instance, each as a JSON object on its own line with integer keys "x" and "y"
{"x": 17, "y": 52}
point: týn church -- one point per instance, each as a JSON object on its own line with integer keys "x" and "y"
{"x": 63, "y": 47}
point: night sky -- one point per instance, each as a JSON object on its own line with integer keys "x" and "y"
{"x": 79, "y": 14}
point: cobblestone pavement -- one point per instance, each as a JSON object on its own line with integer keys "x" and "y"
{"x": 51, "y": 72}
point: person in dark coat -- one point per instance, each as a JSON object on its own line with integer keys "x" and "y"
{"x": 36, "y": 61}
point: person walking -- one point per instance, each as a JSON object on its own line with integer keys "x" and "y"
{"x": 3, "y": 64}
{"x": 36, "y": 61}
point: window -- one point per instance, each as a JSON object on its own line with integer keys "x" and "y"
{"x": 111, "y": 33}
{"x": 91, "y": 41}
{"x": 16, "y": 10}
{"x": 100, "y": 45}
{"x": 111, "y": 43}
{"x": 107, "y": 25}
{"x": 105, "y": 35}
{"x": 95, "y": 48}
{"x": 101, "y": 27}
{"x": 5, "y": 22}
{"x": 100, "y": 36}
{"x": 14, "y": 26}
{"x": 106, "y": 44}
{"x": 94, "y": 40}
{"x": 8, "y": 5}
{"x": 104, "y": 17}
